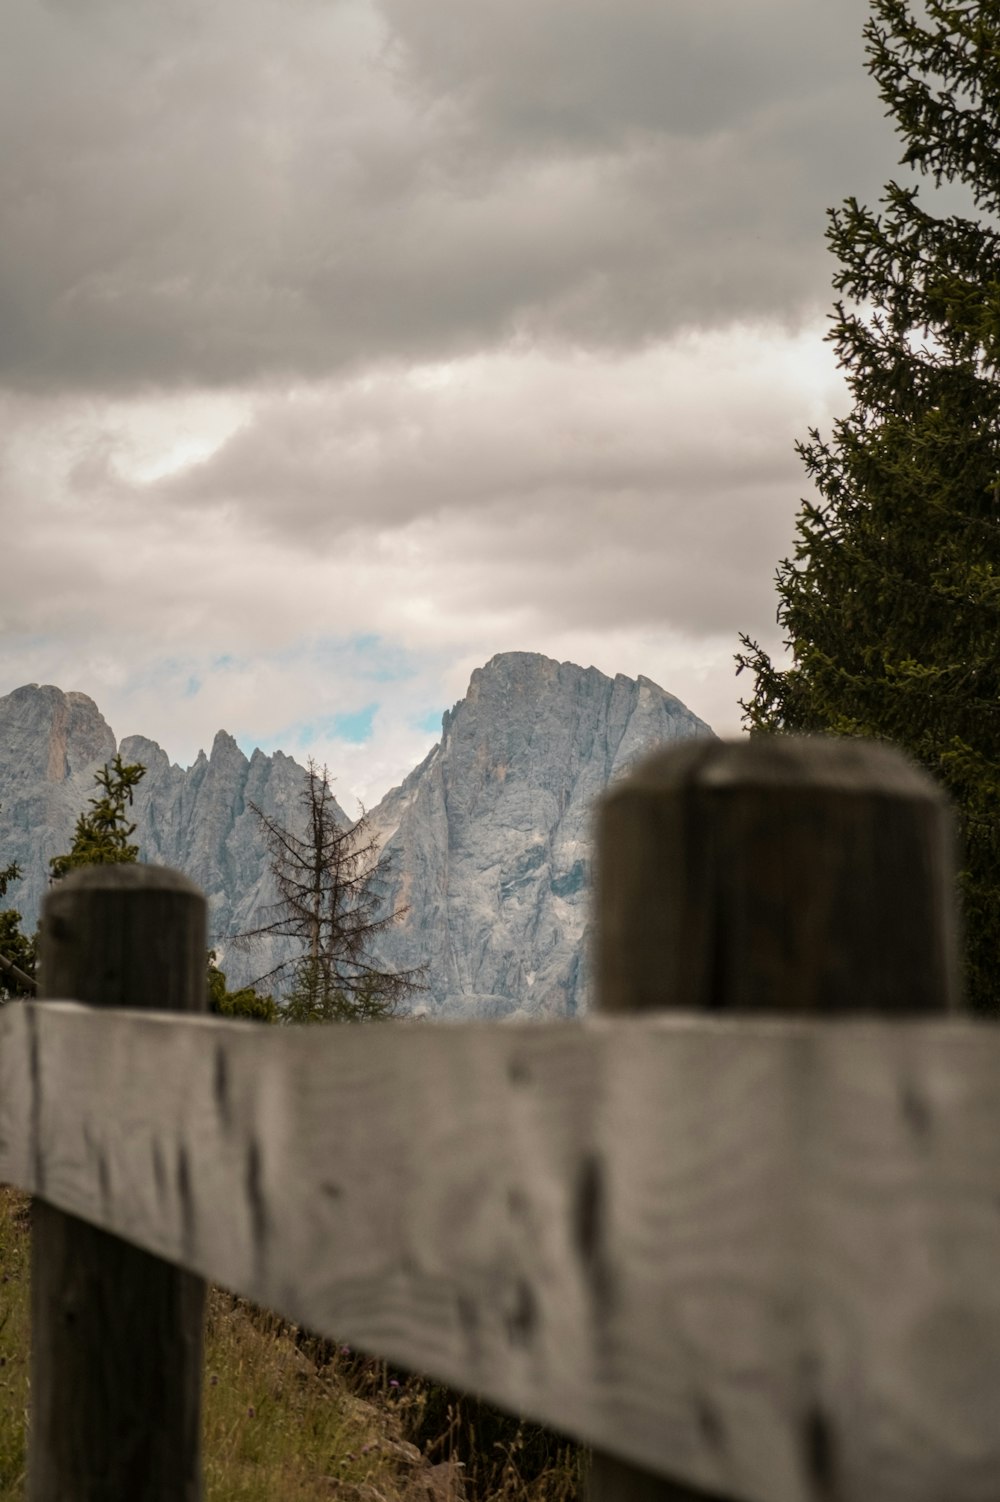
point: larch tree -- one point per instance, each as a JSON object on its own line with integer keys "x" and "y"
{"x": 330, "y": 901}
{"x": 891, "y": 603}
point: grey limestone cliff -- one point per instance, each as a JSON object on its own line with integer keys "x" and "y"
{"x": 196, "y": 819}
{"x": 50, "y": 745}
{"x": 489, "y": 840}
{"x": 200, "y": 820}
{"x": 486, "y": 844}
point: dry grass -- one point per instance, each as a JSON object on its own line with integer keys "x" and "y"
{"x": 14, "y": 1341}
{"x": 274, "y": 1426}
{"x": 292, "y": 1417}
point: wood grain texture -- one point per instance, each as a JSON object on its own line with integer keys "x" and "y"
{"x": 116, "y": 1333}
{"x": 789, "y": 1293}
{"x": 773, "y": 875}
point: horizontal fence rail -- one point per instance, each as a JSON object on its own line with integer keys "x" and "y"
{"x": 760, "y": 1256}
{"x": 749, "y": 1259}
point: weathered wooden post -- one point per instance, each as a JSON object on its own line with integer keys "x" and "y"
{"x": 116, "y": 1333}
{"x": 772, "y": 875}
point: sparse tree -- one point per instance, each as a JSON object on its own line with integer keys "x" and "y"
{"x": 330, "y": 902}
{"x": 891, "y": 604}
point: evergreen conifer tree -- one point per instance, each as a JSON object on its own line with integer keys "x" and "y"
{"x": 17, "y": 952}
{"x": 102, "y": 836}
{"x": 246, "y": 1003}
{"x": 891, "y": 604}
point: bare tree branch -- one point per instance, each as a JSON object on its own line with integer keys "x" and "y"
{"x": 330, "y": 901}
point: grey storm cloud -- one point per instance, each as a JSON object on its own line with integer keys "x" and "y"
{"x": 585, "y": 75}
{"x": 254, "y": 191}
{"x": 585, "y": 489}
{"x": 453, "y": 325}
{"x": 510, "y": 433}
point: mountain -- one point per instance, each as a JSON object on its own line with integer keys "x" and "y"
{"x": 201, "y": 822}
{"x": 486, "y": 843}
{"x": 50, "y": 745}
{"x": 197, "y": 819}
{"x": 488, "y": 840}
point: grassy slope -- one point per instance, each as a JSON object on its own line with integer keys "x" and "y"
{"x": 290, "y": 1417}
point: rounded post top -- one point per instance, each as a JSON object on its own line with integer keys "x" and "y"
{"x": 777, "y": 873}
{"x": 125, "y": 935}
{"x": 836, "y": 763}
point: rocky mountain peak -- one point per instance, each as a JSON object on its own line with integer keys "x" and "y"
{"x": 486, "y": 843}
{"x": 47, "y": 735}
{"x": 50, "y": 742}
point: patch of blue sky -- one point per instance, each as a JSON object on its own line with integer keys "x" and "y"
{"x": 354, "y": 726}
{"x": 366, "y": 641}
{"x": 376, "y": 659}
{"x": 365, "y": 656}
{"x": 431, "y": 721}
{"x": 192, "y": 687}
{"x": 351, "y": 726}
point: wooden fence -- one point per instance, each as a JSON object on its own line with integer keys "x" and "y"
{"x": 750, "y": 1256}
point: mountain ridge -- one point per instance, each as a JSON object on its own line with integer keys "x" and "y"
{"x": 486, "y": 842}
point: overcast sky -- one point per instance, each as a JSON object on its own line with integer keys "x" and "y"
{"x": 345, "y": 343}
